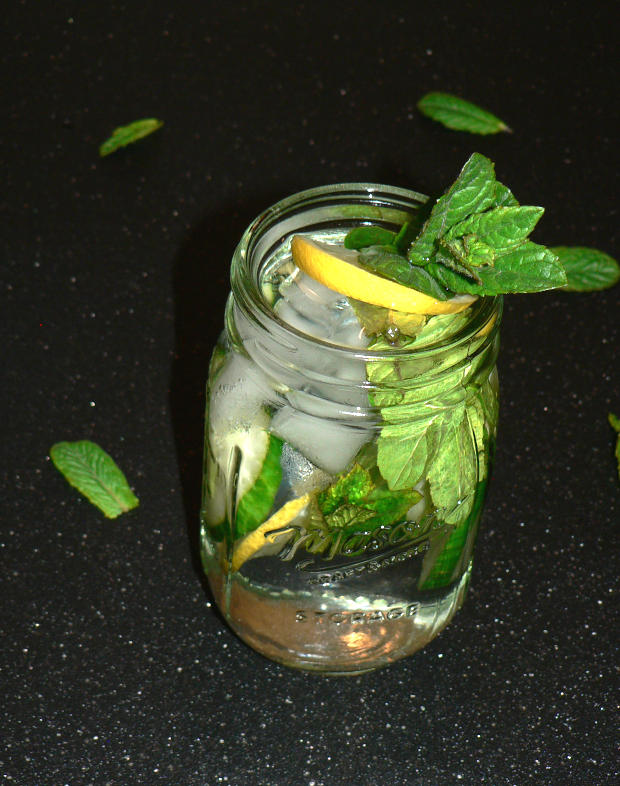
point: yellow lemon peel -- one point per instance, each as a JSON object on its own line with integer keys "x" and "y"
{"x": 337, "y": 268}
{"x": 265, "y": 534}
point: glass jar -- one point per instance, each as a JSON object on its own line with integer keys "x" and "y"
{"x": 343, "y": 480}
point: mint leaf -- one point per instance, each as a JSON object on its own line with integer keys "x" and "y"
{"x": 352, "y": 487}
{"x": 125, "y": 135}
{"x": 528, "y": 268}
{"x": 390, "y": 507}
{"x": 402, "y": 451}
{"x": 460, "y": 115}
{"x": 255, "y": 505}
{"x": 452, "y": 472}
{"x": 473, "y": 191}
{"x": 377, "y": 319}
{"x": 614, "y": 422}
{"x": 349, "y": 516}
{"x": 409, "y": 231}
{"x": 341, "y": 518}
{"x": 450, "y": 553}
{"x": 90, "y": 470}
{"x": 397, "y": 268}
{"x": 360, "y": 237}
{"x": 587, "y": 269}
{"x": 501, "y": 228}
{"x": 504, "y": 196}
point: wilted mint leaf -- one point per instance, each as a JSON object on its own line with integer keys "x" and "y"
{"x": 125, "y": 135}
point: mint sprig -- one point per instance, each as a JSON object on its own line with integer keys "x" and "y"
{"x": 476, "y": 241}
{"x": 460, "y": 115}
{"x": 94, "y": 473}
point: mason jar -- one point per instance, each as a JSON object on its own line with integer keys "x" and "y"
{"x": 344, "y": 472}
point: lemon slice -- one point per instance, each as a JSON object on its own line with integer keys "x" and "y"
{"x": 338, "y": 269}
{"x": 265, "y": 534}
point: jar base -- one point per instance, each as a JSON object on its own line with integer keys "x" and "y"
{"x": 332, "y": 637}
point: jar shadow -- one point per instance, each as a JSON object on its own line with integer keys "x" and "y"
{"x": 201, "y": 285}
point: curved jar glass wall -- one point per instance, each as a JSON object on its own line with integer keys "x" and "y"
{"x": 344, "y": 474}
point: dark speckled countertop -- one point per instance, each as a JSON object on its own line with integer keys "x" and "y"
{"x": 115, "y": 668}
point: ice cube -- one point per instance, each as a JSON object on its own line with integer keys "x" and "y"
{"x": 299, "y": 474}
{"x": 329, "y": 444}
{"x": 319, "y": 311}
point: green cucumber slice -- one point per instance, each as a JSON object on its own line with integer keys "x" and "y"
{"x": 238, "y": 425}
{"x": 255, "y": 505}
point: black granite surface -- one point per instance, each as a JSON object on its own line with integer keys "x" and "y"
{"x": 115, "y": 668}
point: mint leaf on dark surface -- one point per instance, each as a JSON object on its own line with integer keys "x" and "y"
{"x": 614, "y": 422}
{"x": 90, "y": 470}
{"x": 587, "y": 269}
{"x": 126, "y": 135}
{"x": 460, "y": 115}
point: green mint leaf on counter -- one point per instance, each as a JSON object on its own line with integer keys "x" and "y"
{"x": 90, "y": 470}
{"x": 397, "y": 268}
{"x": 587, "y": 269}
{"x": 361, "y": 237}
{"x": 472, "y": 192}
{"x": 614, "y": 422}
{"x": 126, "y": 135}
{"x": 460, "y": 115}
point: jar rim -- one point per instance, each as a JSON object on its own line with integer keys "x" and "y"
{"x": 485, "y": 311}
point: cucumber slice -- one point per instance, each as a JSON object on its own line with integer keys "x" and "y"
{"x": 255, "y": 505}
{"x": 238, "y": 425}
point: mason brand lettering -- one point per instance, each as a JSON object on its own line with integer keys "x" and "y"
{"x": 369, "y": 566}
{"x": 356, "y": 616}
{"x": 354, "y": 544}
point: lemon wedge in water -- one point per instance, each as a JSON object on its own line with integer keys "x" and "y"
{"x": 337, "y": 268}
{"x": 265, "y": 535}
